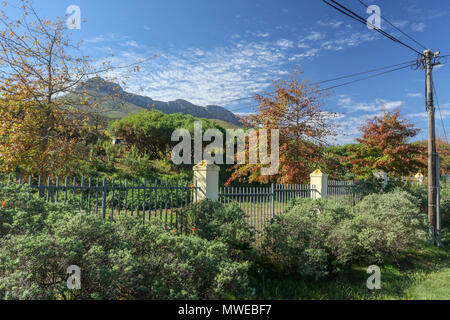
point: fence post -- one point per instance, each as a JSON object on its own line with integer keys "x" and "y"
{"x": 420, "y": 179}
{"x": 206, "y": 180}
{"x": 273, "y": 200}
{"x": 381, "y": 175}
{"x": 353, "y": 192}
{"x": 105, "y": 189}
{"x": 39, "y": 186}
{"x": 319, "y": 185}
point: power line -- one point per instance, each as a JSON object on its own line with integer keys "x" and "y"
{"x": 365, "y": 72}
{"x": 394, "y": 26}
{"x": 439, "y": 109}
{"x": 365, "y": 78}
{"x": 334, "y": 79}
{"x": 360, "y": 19}
{"x": 357, "y": 80}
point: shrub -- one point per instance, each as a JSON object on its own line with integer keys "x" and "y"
{"x": 211, "y": 220}
{"x": 296, "y": 242}
{"x": 23, "y": 213}
{"x": 121, "y": 259}
{"x": 421, "y": 193}
{"x": 445, "y": 201}
{"x": 384, "y": 226}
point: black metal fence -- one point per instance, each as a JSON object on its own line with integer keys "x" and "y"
{"x": 146, "y": 199}
{"x": 260, "y": 204}
{"x": 151, "y": 199}
{"x": 350, "y": 192}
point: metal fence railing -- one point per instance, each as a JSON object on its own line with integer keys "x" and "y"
{"x": 261, "y": 204}
{"x": 350, "y": 192}
{"x": 166, "y": 201}
{"x": 146, "y": 199}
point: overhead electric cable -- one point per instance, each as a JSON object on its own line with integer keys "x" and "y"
{"x": 360, "y": 19}
{"x": 365, "y": 78}
{"x": 334, "y": 79}
{"x": 439, "y": 109}
{"x": 395, "y": 27}
{"x": 365, "y": 72}
{"x": 350, "y": 82}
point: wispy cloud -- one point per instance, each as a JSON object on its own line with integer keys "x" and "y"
{"x": 205, "y": 76}
{"x": 218, "y": 75}
{"x": 400, "y": 24}
{"x": 445, "y": 114}
{"x": 132, "y": 43}
{"x": 332, "y": 24}
{"x": 259, "y": 34}
{"x": 348, "y": 40}
{"x": 372, "y": 108}
{"x": 315, "y": 36}
{"x": 284, "y": 43}
{"x": 357, "y": 114}
{"x": 109, "y": 37}
{"x": 418, "y": 27}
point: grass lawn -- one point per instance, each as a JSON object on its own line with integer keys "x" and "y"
{"x": 435, "y": 287}
{"x": 422, "y": 274}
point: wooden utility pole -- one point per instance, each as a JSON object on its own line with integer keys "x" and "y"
{"x": 438, "y": 201}
{"x": 429, "y": 58}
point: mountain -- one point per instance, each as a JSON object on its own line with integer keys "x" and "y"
{"x": 126, "y": 102}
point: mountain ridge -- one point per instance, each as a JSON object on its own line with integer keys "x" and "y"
{"x": 98, "y": 84}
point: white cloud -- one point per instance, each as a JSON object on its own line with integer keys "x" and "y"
{"x": 357, "y": 115}
{"x": 106, "y": 38}
{"x": 314, "y": 36}
{"x": 414, "y": 95}
{"x": 132, "y": 43}
{"x": 375, "y": 106}
{"x": 400, "y": 24}
{"x": 445, "y": 114}
{"x": 284, "y": 43}
{"x": 331, "y": 24}
{"x": 348, "y": 129}
{"x": 418, "y": 27}
{"x": 348, "y": 40}
{"x": 307, "y": 54}
{"x": 390, "y": 105}
{"x": 204, "y": 76}
{"x": 218, "y": 75}
{"x": 258, "y": 34}
{"x": 263, "y": 34}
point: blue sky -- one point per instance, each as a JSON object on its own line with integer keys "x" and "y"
{"x": 211, "y": 52}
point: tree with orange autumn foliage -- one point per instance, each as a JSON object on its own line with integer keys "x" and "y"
{"x": 442, "y": 148}
{"x": 40, "y": 129}
{"x": 384, "y": 146}
{"x": 296, "y": 110}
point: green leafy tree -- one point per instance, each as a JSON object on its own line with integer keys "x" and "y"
{"x": 150, "y": 131}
